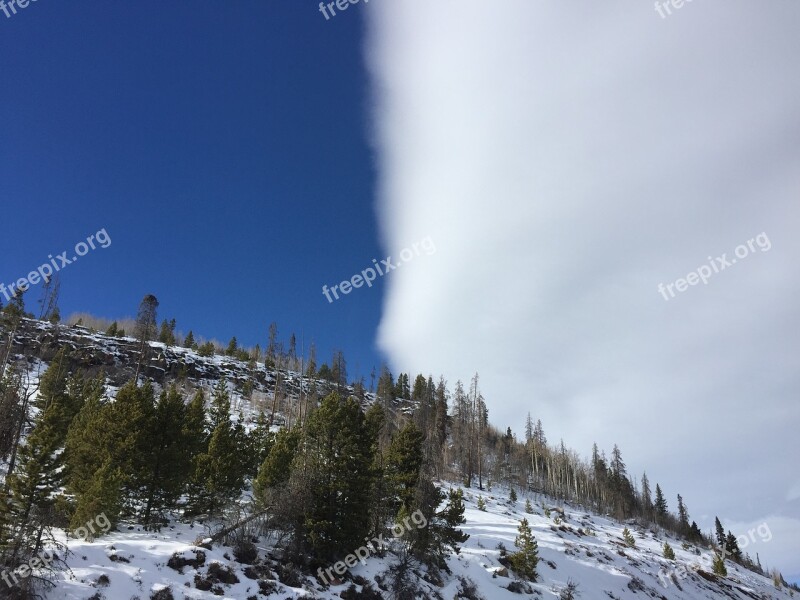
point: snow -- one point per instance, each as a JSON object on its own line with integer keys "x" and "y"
{"x": 135, "y": 561}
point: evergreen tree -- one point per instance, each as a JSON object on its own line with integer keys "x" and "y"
{"x": 189, "y": 341}
{"x": 660, "y": 505}
{"x": 131, "y": 439}
{"x": 683, "y": 517}
{"x": 336, "y": 464}
{"x": 167, "y": 333}
{"x": 276, "y": 469}
{"x": 630, "y": 541}
{"x": 113, "y": 330}
{"x": 718, "y": 566}
{"x": 669, "y": 553}
{"x": 647, "y": 501}
{"x": 194, "y": 428}
{"x": 439, "y": 533}
{"x": 694, "y": 533}
{"x": 481, "y": 504}
{"x": 32, "y": 485}
{"x": 233, "y": 346}
{"x": 525, "y": 560}
{"x": 402, "y": 465}
{"x": 220, "y": 410}
{"x": 101, "y": 497}
{"x": 528, "y": 507}
{"x": 720, "y": 532}
{"x": 168, "y": 456}
{"x": 512, "y": 496}
{"x": 732, "y": 547}
{"x": 221, "y": 470}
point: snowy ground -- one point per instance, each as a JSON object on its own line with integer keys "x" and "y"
{"x": 583, "y": 548}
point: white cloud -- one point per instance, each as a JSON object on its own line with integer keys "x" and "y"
{"x": 566, "y": 160}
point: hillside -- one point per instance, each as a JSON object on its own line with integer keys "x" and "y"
{"x": 175, "y": 559}
{"x": 584, "y": 548}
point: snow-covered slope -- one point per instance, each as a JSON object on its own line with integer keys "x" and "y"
{"x": 583, "y": 548}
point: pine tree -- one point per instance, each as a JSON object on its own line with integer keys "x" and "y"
{"x": 660, "y": 505}
{"x": 221, "y": 470}
{"x": 194, "y": 428}
{"x": 189, "y": 341}
{"x": 647, "y": 501}
{"x": 167, "y": 334}
{"x": 100, "y": 453}
{"x": 402, "y": 465}
{"x": 683, "y": 517}
{"x": 528, "y": 507}
{"x": 102, "y": 496}
{"x": 168, "y": 458}
{"x": 732, "y": 547}
{"x": 276, "y": 469}
{"x": 336, "y": 464}
{"x": 718, "y": 566}
{"x": 720, "y": 532}
{"x": 630, "y": 541}
{"x": 525, "y": 560}
{"x": 131, "y": 439}
{"x": 669, "y": 553}
{"x": 512, "y": 496}
{"x": 694, "y": 533}
{"x": 481, "y": 503}
{"x": 32, "y": 485}
{"x": 439, "y": 533}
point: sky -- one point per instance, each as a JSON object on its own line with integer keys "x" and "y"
{"x": 578, "y": 181}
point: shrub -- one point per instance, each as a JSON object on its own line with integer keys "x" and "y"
{"x": 177, "y": 561}
{"x": 628, "y": 537}
{"x": 719, "y": 565}
{"x": 245, "y": 552}
{"x": 669, "y": 553}
{"x": 467, "y": 589}
{"x": 162, "y": 594}
{"x": 570, "y": 592}
{"x": 367, "y": 593}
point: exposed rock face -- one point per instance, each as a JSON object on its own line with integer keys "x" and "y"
{"x": 117, "y": 359}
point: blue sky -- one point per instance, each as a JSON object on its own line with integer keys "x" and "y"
{"x": 223, "y": 147}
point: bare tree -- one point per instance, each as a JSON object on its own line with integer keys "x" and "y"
{"x": 145, "y": 327}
